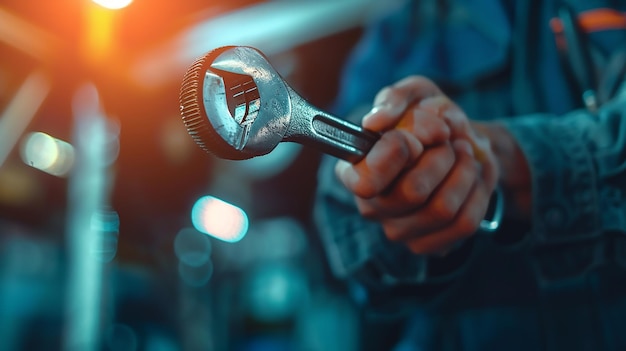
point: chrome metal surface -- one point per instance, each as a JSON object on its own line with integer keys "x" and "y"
{"x": 244, "y": 108}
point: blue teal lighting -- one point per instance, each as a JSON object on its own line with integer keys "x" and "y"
{"x": 219, "y": 219}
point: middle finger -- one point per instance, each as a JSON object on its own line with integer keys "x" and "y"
{"x": 412, "y": 189}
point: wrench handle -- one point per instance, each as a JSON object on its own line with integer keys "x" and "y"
{"x": 327, "y": 133}
{"x": 344, "y": 139}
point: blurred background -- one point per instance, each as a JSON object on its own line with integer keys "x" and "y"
{"x": 104, "y": 196}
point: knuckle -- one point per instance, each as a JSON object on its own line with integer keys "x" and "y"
{"x": 446, "y": 158}
{"x": 468, "y": 224}
{"x": 417, "y": 192}
{"x": 390, "y": 153}
{"x": 365, "y": 189}
{"x": 395, "y": 152}
{"x": 468, "y": 172}
{"x": 443, "y": 214}
{"x": 445, "y": 209}
{"x": 466, "y": 161}
{"x": 393, "y": 141}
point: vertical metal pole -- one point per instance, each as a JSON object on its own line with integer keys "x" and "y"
{"x": 88, "y": 193}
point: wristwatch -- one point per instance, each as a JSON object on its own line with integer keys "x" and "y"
{"x": 494, "y": 214}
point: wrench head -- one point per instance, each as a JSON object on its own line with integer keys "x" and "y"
{"x": 234, "y": 103}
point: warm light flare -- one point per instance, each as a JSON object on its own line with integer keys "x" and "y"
{"x": 99, "y": 37}
{"x": 113, "y": 4}
{"x": 219, "y": 219}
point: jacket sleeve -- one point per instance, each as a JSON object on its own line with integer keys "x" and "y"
{"x": 578, "y": 171}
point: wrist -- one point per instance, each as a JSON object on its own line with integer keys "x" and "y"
{"x": 515, "y": 180}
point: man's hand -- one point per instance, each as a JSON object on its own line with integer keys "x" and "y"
{"x": 429, "y": 178}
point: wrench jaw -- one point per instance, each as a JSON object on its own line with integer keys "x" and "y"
{"x": 234, "y": 104}
{"x": 231, "y": 122}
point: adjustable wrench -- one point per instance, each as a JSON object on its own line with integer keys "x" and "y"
{"x": 236, "y": 106}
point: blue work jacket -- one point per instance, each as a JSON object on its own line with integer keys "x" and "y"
{"x": 556, "y": 283}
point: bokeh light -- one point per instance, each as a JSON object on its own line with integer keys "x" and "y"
{"x": 275, "y": 291}
{"x": 192, "y": 247}
{"x": 270, "y": 239}
{"x": 219, "y": 219}
{"x": 195, "y": 276}
{"x": 113, "y": 4}
{"x": 48, "y": 154}
{"x": 106, "y": 225}
{"x": 121, "y": 337}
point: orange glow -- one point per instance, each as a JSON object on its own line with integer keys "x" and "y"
{"x": 113, "y": 4}
{"x": 27, "y": 37}
{"x": 219, "y": 219}
{"x": 100, "y": 29}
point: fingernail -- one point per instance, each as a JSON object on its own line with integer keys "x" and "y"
{"x": 387, "y": 110}
{"x": 368, "y": 115}
{"x": 453, "y": 114}
{"x": 346, "y": 173}
{"x": 434, "y": 103}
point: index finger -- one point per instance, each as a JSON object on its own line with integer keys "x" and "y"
{"x": 392, "y": 101}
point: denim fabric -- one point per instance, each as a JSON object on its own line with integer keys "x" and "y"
{"x": 563, "y": 285}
